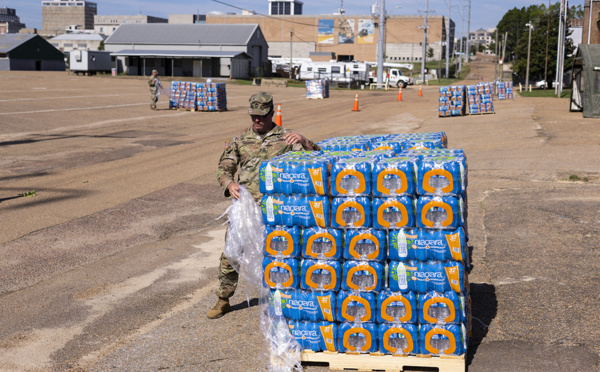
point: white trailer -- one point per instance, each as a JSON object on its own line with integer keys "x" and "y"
{"x": 341, "y": 72}
{"x": 89, "y": 62}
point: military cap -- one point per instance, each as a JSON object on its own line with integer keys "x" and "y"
{"x": 155, "y": 72}
{"x": 260, "y": 104}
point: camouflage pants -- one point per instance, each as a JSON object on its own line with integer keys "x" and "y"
{"x": 228, "y": 277}
{"x": 153, "y": 99}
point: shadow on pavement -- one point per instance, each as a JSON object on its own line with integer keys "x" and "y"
{"x": 484, "y": 307}
{"x": 244, "y": 305}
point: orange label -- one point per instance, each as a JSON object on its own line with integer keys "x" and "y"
{"x": 454, "y": 244}
{"x": 327, "y": 332}
{"x": 317, "y": 210}
{"x": 453, "y": 278}
{"x": 350, "y": 204}
{"x": 325, "y": 305}
{"x": 317, "y": 180}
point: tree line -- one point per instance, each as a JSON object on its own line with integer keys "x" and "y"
{"x": 544, "y": 38}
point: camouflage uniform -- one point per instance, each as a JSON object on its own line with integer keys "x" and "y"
{"x": 244, "y": 154}
{"x": 154, "y": 83}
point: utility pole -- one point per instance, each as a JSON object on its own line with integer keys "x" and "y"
{"x": 563, "y": 36}
{"x": 462, "y": 23}
{"x": 381, "y": 42}
{"x": 291, "y": 43}
{"x": 559, "y": 48}
{"x": 503, "y": 55}
{"x": 528, "y": 52}
{"x": 448, "y": 41}
{"x": 468, "y": 30}
{"x": 547, "y": 43}
{"x": 496, "y": 62}
{"x": 424, "y": 56}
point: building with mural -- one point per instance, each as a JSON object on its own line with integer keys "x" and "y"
{"x": 346, "y": 37}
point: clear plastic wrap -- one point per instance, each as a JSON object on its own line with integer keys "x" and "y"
{"x": 244, "y": 251}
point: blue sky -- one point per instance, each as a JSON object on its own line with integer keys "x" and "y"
{"x": 484, "y": 13}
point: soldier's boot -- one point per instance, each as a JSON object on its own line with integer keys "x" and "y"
{"x": 152, "y": 107}
{"x": 221, "y": 307}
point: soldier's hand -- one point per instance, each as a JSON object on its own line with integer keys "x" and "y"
{"x": 293, "y": 138}
{"x": 234, "y": 190}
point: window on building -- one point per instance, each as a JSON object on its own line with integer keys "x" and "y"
{"x": 68, "y": 45}
{"x": 82, "y": 45}
{"x": 286, "y": 8}
{"x": 297, "y": 8}
{"x": 335, "y": 69}
{"x": 101, "y": 29}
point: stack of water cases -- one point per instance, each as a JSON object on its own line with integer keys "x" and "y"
{"x": 317, "y": 88}
{"x": 452, "y": 101}
{"x": 182, "y": 95}
{"x": 505, "y": 90}
{"x": 211, "y": 97}
{"x": 198, "y": 96}
{"x": 480, "y": 98}
{"x": 365, "y": 244}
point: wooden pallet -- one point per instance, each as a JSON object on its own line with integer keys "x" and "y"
{"x": 381, "y": 362}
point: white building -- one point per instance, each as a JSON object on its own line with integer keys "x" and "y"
{"x": 107, "y": 24}
{"x": 77, "y": 41}
{"x": 482, "y": 37}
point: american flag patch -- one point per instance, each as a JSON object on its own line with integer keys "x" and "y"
{"x": 227, "y": 144}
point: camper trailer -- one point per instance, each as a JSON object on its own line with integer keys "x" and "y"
{"x": 340, "y": 72}
{"x": 89, "y": 62}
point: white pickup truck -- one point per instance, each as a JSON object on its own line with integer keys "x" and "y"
{"x": 392, "y": 76}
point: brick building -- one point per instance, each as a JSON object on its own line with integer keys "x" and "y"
{"x": 593, "y": 32}
{"x": 348, "y": 37}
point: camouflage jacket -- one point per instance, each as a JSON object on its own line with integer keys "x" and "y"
{"x": 153, "y": 83}
{"x": 245, "y": 153}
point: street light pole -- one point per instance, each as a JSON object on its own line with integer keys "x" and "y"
{"x": 528, "y": 52}
{"x": 423, "y": 58}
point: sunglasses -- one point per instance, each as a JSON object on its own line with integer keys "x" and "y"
{"x": 260, "y": 116}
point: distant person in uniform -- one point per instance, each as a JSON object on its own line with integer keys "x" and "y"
{"x": 263, "y": 140}
{"x": 155, "y": 85}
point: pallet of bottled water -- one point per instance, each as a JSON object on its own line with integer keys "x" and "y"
{"x": 365, "y": 250}
{"x": 480, "y": 98}
{"x": 451, "y": 101}
{"x": 198, "y": 96}
{"x": 317, "y": 88}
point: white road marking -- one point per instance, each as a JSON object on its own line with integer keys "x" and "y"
{"x": 72, "y": 109}
{"x": 69, "y": 97}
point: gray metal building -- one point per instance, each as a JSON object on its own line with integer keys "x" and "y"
{"x": 30, "y": 53}
{"x": 202, "y": 50}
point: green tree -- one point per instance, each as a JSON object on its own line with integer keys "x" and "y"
{"x": 101, "y": 46}
{"x": 514, "y": 22}
{"x": 430, "y": 52}
{"x": 538, "y": 46}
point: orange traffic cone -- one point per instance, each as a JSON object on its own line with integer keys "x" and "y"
{"x": 278, "y": 116}
{"x": 420, "y": 90}
{"x": 400, "y": 94}
{"x": 356, "y": 103}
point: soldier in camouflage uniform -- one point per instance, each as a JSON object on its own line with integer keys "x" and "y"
{"x": 154, "y": 84}
{"x": 261, "y": 141}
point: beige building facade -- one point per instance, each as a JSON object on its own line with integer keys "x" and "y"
{"x": 107, "y": 24}
{"x": 348, "y": 37}
{"x": 58, "y": 15}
